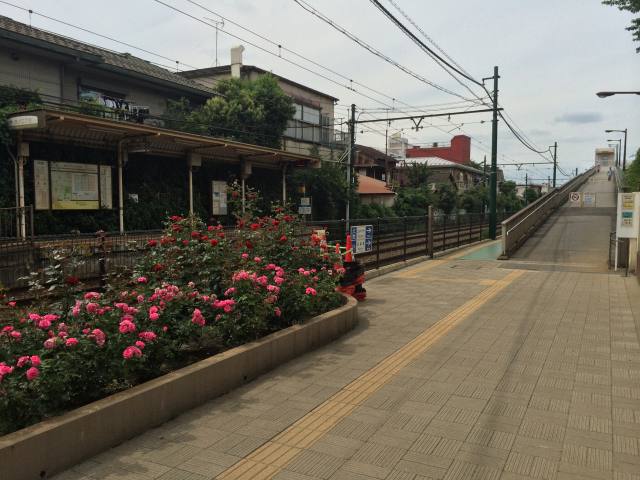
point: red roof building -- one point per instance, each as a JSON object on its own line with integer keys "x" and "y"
{"x": 459, "y": 151}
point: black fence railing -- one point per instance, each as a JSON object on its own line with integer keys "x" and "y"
{"x": 394, "y": 239}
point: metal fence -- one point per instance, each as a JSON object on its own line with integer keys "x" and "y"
{"x": 621, "y": 247}
{"x": 394, "y": 239}
{"x": 98, "y": 254}
{"x": 16, "y": 222}
{"x": 398, "y": 239}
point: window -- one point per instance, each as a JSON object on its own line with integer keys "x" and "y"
{"x": 305, "y": 124}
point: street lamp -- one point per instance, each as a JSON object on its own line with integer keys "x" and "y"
{"x": 609, "y": 94}
{"x": 618, "y": 147}
{"x": 624, "y": 155}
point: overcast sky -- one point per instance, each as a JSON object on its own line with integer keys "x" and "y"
{"x": 553, "y": 56}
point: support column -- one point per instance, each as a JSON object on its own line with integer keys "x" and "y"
{"x": 190, "y": 189}
{"x": 121, "y": 161}
{"x": 23, "y": 157}
{"x": 243, "y": 195}
{"x": 284, "y": 184}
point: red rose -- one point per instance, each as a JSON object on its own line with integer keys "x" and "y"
{"x": 152, "y": 243}
{"x": 214, "y": 242}
{"x": 185, "y": 242}
{"x": 255, "y": 226}
{"x": 283, "y": 238}
{"x": 157, "y": 267}
{"x": 249, "y": 245}
{"x": 71, "y": 280}
{"x": 195, "y": 234}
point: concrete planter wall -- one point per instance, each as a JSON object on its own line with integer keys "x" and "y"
{"x": 49, "y": 447}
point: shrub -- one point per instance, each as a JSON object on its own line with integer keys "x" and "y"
{"x": 195, "y": 291}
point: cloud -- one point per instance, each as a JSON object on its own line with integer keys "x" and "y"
{"x": 584, "y": 117}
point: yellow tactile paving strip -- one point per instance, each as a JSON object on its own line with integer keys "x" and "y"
{"x": 274, "y": 455}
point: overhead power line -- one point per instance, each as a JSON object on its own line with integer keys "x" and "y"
{"x": 374, "y": 50}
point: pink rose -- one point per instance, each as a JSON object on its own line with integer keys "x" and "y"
{"x": 257, "y": 259}
{"x": 277, "y": 311}
{"x": 32, "y": 373}
{"x": 142, "y": 280}
{"x": 153, "y": 317}
{"x": 311, "y": 291}
{"x": 127, "y": 326}
{"x": 91, "y": 296}
{"x": 71, "y": 342}
{"x": 15, "y": 335}
{"x": 50, "y": 343}
{"x": 229, "y": 291}
{"x": 22, "y": 361}
{"x": 131, "y": 352}
{"x": 279, "y": 280}
{"x": 198, "y": 318}
{"x": 147, "y": 336}
{"x": 140, "y": 344}
{"x": 245, "y": 256}
{"x": 35, "y": 360}
{"x": 99, "y": 336}
{"x": 92, "y": 307}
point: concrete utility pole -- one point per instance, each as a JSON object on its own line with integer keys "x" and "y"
{"x": 493, "y": 181}
{"x": 526, "y": 186}
{"x": 352, "y": 153}
{"x": 555, "y": 162}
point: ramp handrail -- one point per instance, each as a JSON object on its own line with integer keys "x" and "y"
{"x": 517, "y": 228}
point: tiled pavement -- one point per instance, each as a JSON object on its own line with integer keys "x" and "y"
{"x": 459, "y": 369}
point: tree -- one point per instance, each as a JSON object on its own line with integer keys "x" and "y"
{"x": 447, "y": 197}
{"x": 412, "y": 201}
{"x": 632, "y": 6}
{"x": 328, "y": 188}
{"x": 474, "y": 199}
{"x": 531, "y": 195}
{"x": 632, "y": 174}
{"x": 417, "y": 175}
{"x": 251, "y": 111}
{"x": 507, "y": 200}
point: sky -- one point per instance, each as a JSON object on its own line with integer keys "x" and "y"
{"x": 553, "y": 55}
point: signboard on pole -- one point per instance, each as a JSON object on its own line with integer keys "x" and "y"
{"x": 305, "y": 206}
{"x": 362, "y": 238}
{"x": 627, "y": 217}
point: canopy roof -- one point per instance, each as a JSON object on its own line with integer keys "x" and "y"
{"x": 90, "y": 131}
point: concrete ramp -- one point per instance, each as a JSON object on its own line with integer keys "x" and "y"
{"x": 575, "y": 237}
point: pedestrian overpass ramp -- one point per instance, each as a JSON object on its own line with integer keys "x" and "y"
{"x": 576, "y": 236}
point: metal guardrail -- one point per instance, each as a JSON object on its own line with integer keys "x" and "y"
{"x": 519, "y": 227}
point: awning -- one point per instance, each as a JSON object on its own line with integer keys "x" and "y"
{"x": 89, "y": 131}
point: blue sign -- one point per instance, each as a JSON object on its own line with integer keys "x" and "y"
{"x": 362, "y": 238}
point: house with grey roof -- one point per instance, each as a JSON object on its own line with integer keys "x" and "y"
{"x": 64, "y": 70}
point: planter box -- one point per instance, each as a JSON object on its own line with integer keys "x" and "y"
{"x": 49, "y": 447}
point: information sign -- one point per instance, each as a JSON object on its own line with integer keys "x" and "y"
{"x": 219, "y": 197}
{"x": 362, "y": 238}
{"x": 305, "y": 206}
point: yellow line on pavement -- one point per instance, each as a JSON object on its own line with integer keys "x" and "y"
{"x": 272, "y": 457}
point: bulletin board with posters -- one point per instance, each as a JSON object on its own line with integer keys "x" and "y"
{"x": 219, "y": 197}
{"x": 72, "y": 186}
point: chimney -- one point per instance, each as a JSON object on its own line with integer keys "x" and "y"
{"x": 236, "y": 60}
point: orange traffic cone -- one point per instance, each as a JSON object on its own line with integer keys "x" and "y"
{"x": 348, "y": 257}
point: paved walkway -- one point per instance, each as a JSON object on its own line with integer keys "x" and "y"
{"x": 459, "y": 369}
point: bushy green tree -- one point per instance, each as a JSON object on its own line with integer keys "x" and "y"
{"x": 473, "y": 199}
{"x": 632, "y": 174}
{"x": 531, "y": 195}
{"x": 447, "y": 197}
{"x": 328, "y": 188}
{"x": 632, "y": 6}
{"x": 507, "y": 200}
{"x": 251, "y": 111}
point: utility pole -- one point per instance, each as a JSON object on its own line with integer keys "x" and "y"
{"x": 555, "y": 162}
{"x": 624, "y": 155}
{"x": 484, "y": 171}
{"x": 526, "y": 186}
{"x": 493, "y": 180}
{"x": 352, "y": 154}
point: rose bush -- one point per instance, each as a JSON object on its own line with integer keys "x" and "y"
{"x": 196, "y": 290}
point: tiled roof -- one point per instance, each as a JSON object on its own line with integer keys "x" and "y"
{"x": 18, "y": 31}
{"x": 371, "y": 186}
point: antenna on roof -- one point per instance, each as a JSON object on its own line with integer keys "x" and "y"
{"x": 216, "y": 24}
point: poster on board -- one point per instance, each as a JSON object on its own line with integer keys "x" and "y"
{"x": 72, "y": 186}
{"x": 219, "y": 197}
